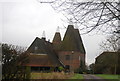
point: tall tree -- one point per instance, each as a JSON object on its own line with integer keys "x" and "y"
{"x": 12, "y": 59}
{"x": 92, "y": 68}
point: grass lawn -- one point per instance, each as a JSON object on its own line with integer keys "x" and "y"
{"x": 108, "y": 76}
{"x": 77, "y": 76}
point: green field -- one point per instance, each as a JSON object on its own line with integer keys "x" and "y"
{"x": 108, "y": 76}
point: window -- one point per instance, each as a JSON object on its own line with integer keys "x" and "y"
{"x": 67, "y": 57}
{"x": 36, "y": 48}
{"x": 67, "y": 66}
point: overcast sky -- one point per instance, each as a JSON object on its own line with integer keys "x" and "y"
{"x": 23, "y": 20}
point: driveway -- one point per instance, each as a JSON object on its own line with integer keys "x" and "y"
{"x": 90, "y": 77}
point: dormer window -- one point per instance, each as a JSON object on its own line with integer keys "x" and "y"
{"x": 36, "y": 48}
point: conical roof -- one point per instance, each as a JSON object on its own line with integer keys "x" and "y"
{"x": 57, "y": 41}
{"x": 68, "y": 43}
{"x": 57, "y": 38}
{"x": 79, "y": 42}
{"x": 72, "y": 40}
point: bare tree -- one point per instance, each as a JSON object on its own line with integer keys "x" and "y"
{"x": 110, "y": 44}
{"x": 101, "y": 16}
{"x": 89, "y": 16}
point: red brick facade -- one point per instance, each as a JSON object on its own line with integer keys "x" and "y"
{"x": 75, "y": 58}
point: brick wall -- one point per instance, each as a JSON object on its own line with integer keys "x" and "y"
{"x": 75, "y": 58}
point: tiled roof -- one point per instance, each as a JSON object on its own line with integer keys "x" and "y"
{"x": 107, "y": 54}
{"x": 40, "y": 46}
